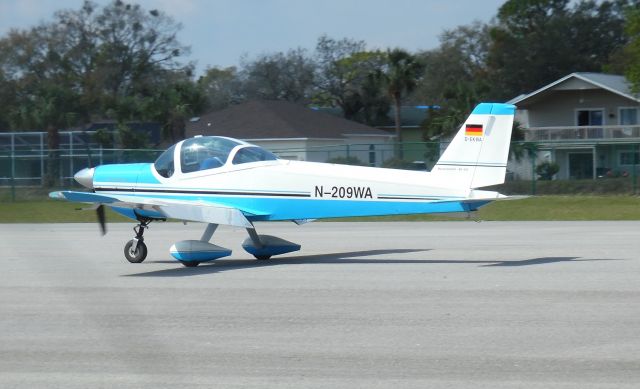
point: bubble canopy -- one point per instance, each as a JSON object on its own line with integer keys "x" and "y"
{"x": 209, "y": 152}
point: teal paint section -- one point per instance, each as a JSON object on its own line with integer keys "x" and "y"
{"x": 503, "y": 109}
{"x": 494, "y": 109}
{"x": 145, "y": 176}
{"x": 270, "y": 249}
{"x": 131, "y": 173}
{"x": 87, "y": 197}
{"x": 200, "y": 256}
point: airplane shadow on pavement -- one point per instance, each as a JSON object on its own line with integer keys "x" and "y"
{"x": 351, "y": 257}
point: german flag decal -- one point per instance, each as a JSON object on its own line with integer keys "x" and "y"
{"x": 473, "y": 130}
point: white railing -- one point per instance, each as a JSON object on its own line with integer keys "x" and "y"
{"x": 569, "y": 133}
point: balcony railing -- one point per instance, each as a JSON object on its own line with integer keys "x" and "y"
{"x": 573, "y": 133}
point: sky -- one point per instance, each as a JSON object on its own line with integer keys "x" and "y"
{"x": 219, "y": 32}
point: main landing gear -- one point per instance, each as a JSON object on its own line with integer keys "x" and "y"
{"x": 192, "y": 252}
{"x": 135, "y": 250}
{"x": 263, "y": 247}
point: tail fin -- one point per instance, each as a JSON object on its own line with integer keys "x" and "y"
{"x": 477, "y": 155}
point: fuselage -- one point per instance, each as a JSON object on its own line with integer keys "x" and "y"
{"x": 289, "y": 190}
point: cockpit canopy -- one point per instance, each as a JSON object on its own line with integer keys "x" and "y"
{"x": 209, "y": 152}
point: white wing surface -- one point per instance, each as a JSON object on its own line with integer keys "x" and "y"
{"x": 173, "y": 209}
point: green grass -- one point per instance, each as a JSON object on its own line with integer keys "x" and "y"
{"x": 564, "y": 208}
{"x": 50, "y": 211}
{"x": 533, "y": 208}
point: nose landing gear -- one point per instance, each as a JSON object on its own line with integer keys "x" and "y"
{"x": 135, "y": 250}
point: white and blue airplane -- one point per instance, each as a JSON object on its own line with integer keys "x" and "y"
{"x": 219, "y": 180}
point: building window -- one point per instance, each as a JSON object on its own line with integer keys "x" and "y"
{"x": 629, "y": 158}
{"x": 590, "y": 117}
{"x": 628, "y": 116}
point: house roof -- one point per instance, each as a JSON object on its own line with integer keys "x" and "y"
{"x": 410, "y": 115}
{"x": 268, "y": 119}
{"x": 610, "y": 82}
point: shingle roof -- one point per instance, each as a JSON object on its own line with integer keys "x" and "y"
{"x": 267, "y": 119}
{"x": 611, "y": 82}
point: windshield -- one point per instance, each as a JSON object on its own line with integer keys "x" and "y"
{"x": 205, "y": 152}
{"x": 252, "y": 154}
{"x": 164, "y": 163}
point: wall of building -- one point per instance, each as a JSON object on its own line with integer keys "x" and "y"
{"x": 559, "y": 108}
{"x": 368, "y": 149}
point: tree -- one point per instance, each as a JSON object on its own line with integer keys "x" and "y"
{"x": 107, "y": 60}
{"x": 458, "y": 64}
{"x": 402, "y": 73}
{"x": 632, "y": 49}
{"x": 87, "y": 63}
{"x": 336, "y": 74}
{"x": 222, "y": 87}
{"x": 374, "y": 99}
{"x": 134, "y": 45}
{"x": 538, "y": 41}
{"x": 349, "y": 77}
{"x": 173, "y": 103}
{"x": 279, "y": 76}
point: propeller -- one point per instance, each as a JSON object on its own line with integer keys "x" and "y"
{"x": 102, "y": 220}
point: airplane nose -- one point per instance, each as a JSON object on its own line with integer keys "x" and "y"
{"x": 85, "y": 177}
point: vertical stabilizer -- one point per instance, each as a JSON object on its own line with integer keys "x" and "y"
{"x": 477, "y": 155}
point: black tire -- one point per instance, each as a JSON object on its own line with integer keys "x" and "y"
{"x": 262, "y": 257}
{"x": 139, "y": 255}
{"x": 190, "y": 263}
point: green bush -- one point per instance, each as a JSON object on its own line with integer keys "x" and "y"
{"x": 603, "y": 186}
{"x": 346, "y": 161}
{"x": 397, "y": 163}
{"x": 547, "y": 170}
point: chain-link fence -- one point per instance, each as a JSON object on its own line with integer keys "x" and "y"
{"x": 534, "y": 168}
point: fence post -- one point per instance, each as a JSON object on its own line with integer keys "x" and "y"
{"x": 635, "y": 173}
{"x": 533, "y": 173}
{"x": 13, "y": 175}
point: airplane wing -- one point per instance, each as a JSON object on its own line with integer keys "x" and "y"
{"x": 174, "y": 209}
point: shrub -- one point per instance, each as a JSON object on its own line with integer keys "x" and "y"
{"x": 397, "y": 163}
{"x": 547, "y": 170}
{"x": 346, "y": 161}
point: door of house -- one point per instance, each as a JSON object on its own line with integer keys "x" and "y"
{"x": 590, "y": 117}
{"x": 627, "y": 116}
{"x": 580, "y": 165}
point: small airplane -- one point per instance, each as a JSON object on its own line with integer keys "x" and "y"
{"x": 220, "y": 180}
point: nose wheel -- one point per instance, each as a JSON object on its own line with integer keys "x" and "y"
{"x": 135, "y": 250}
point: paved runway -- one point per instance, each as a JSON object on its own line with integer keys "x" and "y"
{"x": 363, "y": 305}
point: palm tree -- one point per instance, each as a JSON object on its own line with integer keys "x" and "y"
{"x": 402, "y": 74}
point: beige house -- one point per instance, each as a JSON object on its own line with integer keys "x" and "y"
{"x": 588, "y": 123}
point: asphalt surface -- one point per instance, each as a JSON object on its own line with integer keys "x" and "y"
{"x": 362, "y": 305}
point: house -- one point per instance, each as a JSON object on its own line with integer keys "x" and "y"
{"x": 587, "y": 123}
{"x": 412, "y": 117}
{"x": 295, "y": 132}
